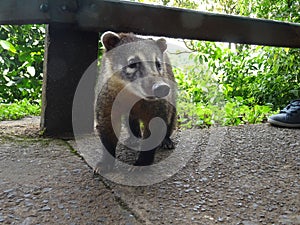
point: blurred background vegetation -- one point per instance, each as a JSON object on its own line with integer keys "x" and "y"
{"x": 21, "y": 69}
{"x": 227, "y": 84}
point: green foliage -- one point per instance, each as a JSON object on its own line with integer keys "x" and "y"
{"x": 236, "y": 112}
{"x": 8, "y": 46}
{"x": 236, "y": 84}
{"x": 188, "y": 4}
{"x": 18, "y": 110}
{"x": 204, "y": 106}
{"x": 262, "y": 75}
{"x": 285, "y": 10}
{"x": 21, "y": 60}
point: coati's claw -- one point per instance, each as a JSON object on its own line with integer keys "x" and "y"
{"x": 102, "y": 168}
{"x": 167, "y": 143}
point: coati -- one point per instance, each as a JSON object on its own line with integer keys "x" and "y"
{"x": 135, "y": 71}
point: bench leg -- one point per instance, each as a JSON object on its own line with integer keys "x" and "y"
{"x": 68, "y": 53}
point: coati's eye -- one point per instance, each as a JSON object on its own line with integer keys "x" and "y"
{"x": 158, "y": 65}
{"x": 133, "y": 64}
{"x": 131, "y": 70}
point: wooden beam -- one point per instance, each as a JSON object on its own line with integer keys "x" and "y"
{"x": 24, "y": 12}
{"x": 102, "y": 15}
{"x": 20, "y": 12}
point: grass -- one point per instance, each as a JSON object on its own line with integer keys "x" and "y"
{"x": 19, "y": 110}
{"x": 190, "y": 115}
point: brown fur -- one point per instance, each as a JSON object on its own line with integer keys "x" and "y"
{"x": 144, "y": 110}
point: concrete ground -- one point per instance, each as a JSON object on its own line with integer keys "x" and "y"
{"x": 236, "y": 175}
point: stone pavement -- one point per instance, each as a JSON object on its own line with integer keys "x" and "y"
{"x": 237, "y": 175}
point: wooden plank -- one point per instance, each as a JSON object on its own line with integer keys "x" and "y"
{"x": 69, "y": 52}
{"x": 23, "y": 12}
{"x": 102, "y": 15}
{"x": 20, "y": 12}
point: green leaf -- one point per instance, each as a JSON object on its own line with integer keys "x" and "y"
{"x": 8, "y": 46}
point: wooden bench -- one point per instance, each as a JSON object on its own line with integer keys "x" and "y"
{"x": 73, "y": 36}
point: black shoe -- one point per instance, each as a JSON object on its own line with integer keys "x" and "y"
{"x": 288, "y": 117}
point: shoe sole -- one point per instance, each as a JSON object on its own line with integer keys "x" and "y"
{"x": 282, "y": 124}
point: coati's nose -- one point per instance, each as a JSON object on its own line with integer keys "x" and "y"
{"x": 160, "y": 89}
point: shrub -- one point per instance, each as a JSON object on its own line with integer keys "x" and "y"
{"x": 21, "y": 60}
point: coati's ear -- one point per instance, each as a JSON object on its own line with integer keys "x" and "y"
{"x": 110, "y": 40}
{"x": 162, "y": 44}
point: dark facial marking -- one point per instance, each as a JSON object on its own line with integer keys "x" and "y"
{"x": 158, "y": 65}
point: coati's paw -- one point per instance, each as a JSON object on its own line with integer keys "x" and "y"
{"x": 167, "y": 143}
{"x": 131, "y": 142}
{"x": 143, "y": 162}
{"x": 102, "y": 167}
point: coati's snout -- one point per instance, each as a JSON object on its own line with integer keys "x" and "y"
{"x": 161, "y": 89}
{"x": 151, "y": 88}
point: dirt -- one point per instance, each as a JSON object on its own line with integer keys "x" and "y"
{"x": 236, "y": 175}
